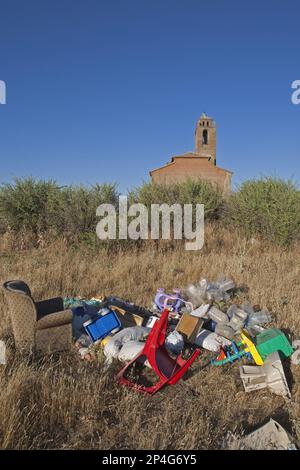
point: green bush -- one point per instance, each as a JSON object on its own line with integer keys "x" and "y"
{"x": 23, "y": 204}
{"x": 188, "y": 192}
{"x": 73, "y": 209}
{"x": 267, "y": 206}
{"x": 42, "y": 206}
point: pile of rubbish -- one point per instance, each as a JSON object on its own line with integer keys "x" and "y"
{"x": 169, "y": 336}
{"x": 157, "y": 345}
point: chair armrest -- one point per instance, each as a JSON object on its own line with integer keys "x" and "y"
{"x": 55, "y": 319}
{"x": 44, "y": 307}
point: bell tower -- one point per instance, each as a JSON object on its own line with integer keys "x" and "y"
{"x": 205, "y": 136}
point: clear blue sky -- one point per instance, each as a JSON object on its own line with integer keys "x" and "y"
{"x": 106, "y": 90}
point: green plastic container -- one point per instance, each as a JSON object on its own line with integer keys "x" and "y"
{"x": 272, "y": 340}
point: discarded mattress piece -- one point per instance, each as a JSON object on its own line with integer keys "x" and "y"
{"x": 270, "y": 436}
{"x": 270, "y": 375}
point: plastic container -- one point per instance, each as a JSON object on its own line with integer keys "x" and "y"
{"x": 247, "y": 307}
{"x": 214, "y": 293}
{"x": 217, "y": 315}
{"x": 211, "y": 341}
{"x": 238, "y": 319}
{"x": 259, "y": 318}
{"x": 102, "y": 326}
{"x": 224, "y": 330}
{"x": 197, "y": 292}
{"x": 201, "y": 312}
{"x": 272, "y": 340}
{"x": 226, "y": 284}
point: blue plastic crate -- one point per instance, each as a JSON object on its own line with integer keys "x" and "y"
{"x": 102, "y": 326}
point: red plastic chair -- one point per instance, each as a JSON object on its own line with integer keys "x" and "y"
{"x": 168, "y": 370}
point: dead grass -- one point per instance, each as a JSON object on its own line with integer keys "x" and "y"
{"x": 59, "y": 402}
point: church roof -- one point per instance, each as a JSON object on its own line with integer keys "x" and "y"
{"x": 188, "y": 156}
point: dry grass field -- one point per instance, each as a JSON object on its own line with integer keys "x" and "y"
{"x": 61, "y": 402}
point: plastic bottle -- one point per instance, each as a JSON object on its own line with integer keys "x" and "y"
{"x": 238, "y": 319}
{"x": 247, "y": 307}
{"x": 201, "y": 311}
{"x": 195, "y": 294}
{"x": 231, "y": 311}
{"x": 226, "y": 284}
{"x": 211, "y": 341}
{"x": 217, "y": 315}
{"x": 259, "y": 318}
{"x": 224, "y": 330}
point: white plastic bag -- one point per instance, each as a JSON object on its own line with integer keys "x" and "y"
{"x": 174, "y": 342}
{"x": 130, "y": 350}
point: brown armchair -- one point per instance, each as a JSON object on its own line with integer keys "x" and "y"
{"x": 42, "y": 326}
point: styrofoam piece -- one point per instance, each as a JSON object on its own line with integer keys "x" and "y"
{"x": 270, "y": 375}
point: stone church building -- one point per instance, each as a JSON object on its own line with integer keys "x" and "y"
{"x": 201, "y": 164}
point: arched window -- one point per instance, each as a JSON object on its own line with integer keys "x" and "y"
{"x": 205, "y": 137}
